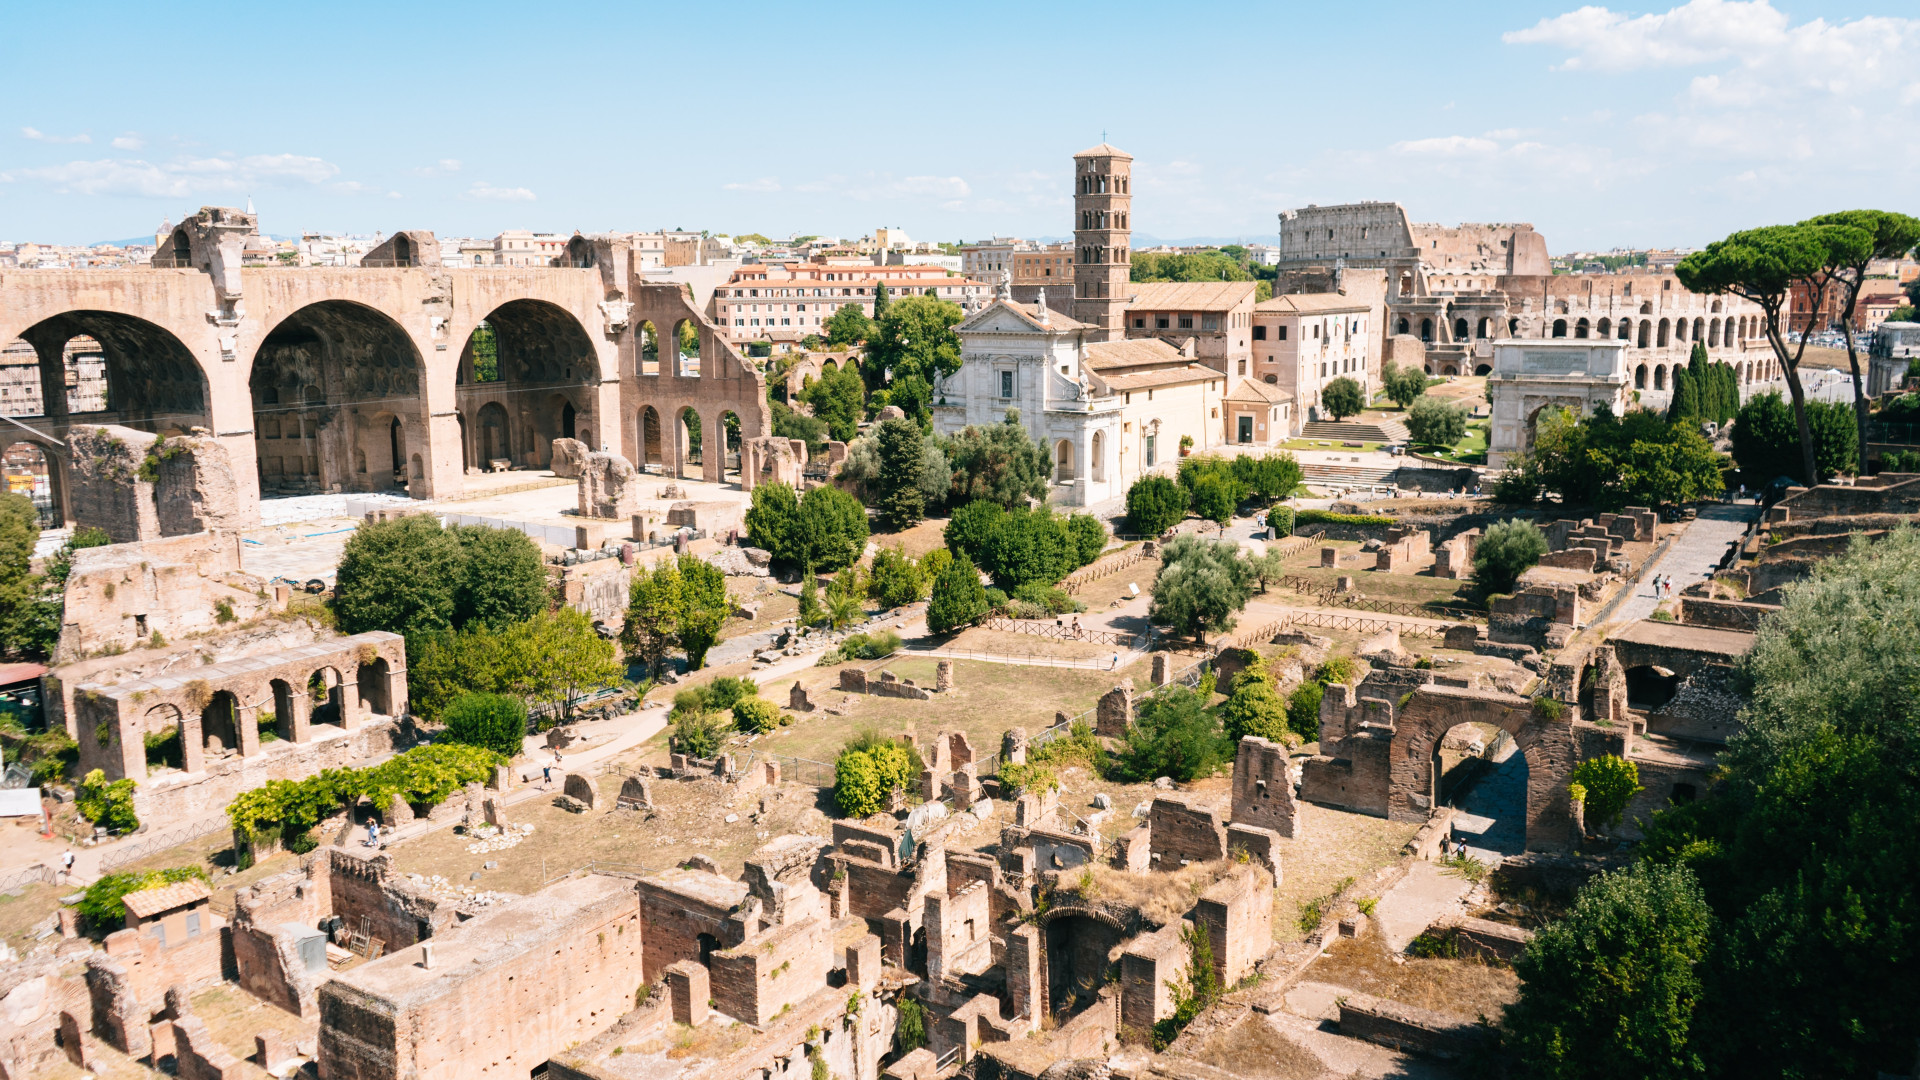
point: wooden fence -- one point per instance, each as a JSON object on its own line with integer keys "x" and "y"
{"x": 1101, "y": 568}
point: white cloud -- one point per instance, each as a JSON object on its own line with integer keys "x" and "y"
{"x": 1698, "y": 32}
{"x": 1448, "y": 146}
{"x": 129, "y": 141}
{"x": 764, "y": 184}
{"x": 40, "y": 136}
{"x": 184, "y": 177}
{"x": 439, "y": 168}
{"x": 950, "y": 187}
{"x": 485, "y": 191}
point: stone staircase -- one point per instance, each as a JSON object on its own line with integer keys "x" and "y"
{"x": 1345, "y": 475}
{"x": 1391, "y": 431}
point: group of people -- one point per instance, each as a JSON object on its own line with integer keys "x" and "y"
{"x": 1662, "y": 586}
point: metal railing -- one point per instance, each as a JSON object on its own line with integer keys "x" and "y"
{"x": 1097, "y": 663}
{"x": 37, "y": 874}
{"x": 124, "y": 853}
{"x": 1060, "y": 630}
{"x": 1333, "y": 620}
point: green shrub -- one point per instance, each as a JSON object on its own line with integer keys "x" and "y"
{"x": 897, "y": 580}
{"x": 101, "y": 904}
{"x": 1050, "y": 600}
{"x": 1079, "y": 746}
{"x": 1089, "y": 538}
{"x": 870, "y": 645}
{"x": 1253, "y": 707}
{"x": 1017, "y": 778}
{"x": 755, "y": 715}
{"x": 1611, "y": 783}
{"x": 1154, "y": 505}
{"x": 699, "y": 733}
{"x": 1337, "y": 669}
{"x": 1508, "y": 550}
{"x": 422, "y": 777}
{"x": 108, "y": 805}
{"x": 1281, "y": 518}
{"x": 910, "y": 1031}
{"x": 958, "y": 597}
{"x": 1303, "y": 710}
{"x": 869, "y": 769}
{"x": 1175, "y": 735}
{"x": 971, "y": 526}
{"x": 494, "y": 721}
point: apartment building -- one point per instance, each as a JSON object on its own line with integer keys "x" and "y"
{"x": 518, "y": 247}
{"x": 1303, "y": 341}
{"x": 1211, "y": 321}
{"x": 784, "y": 302}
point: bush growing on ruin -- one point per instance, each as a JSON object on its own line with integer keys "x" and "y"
{"x": 1610, "y": 783}
{"x": 910, "y": 1029}
{"x": 1433, "y": 422}
{"x": 1197, "y": 989}
{"x": 107, "y": 803}
{"x": 958, "y": 597}
{"x": 1154, "y": 505}
{"x": 101, "y": 904}
{"x": 494, "y": 721}
{"x": 1303, "y": 710}
{"x": 1174, "y": 734}
{"x": 869, "y": 770}
{"x": 422, "y": 777}
{"x": 1200, "y": 586}
{"x": 755, "y": 715}
{"x": 1254, "y": 706}
{"x": 1342, "y": 398}
{"x": 1508, "y": 550}
{"x": 1611, "y": 990}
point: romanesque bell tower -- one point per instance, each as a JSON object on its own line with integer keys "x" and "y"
{"x": 1102, "y": 239}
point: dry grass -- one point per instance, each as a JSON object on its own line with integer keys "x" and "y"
{"x": 235, "y": 1017}
{"x": 707, "y": 1042}
{"x": 1468, "y": 988}
{"x": 1254, "y": 1049}
{"x": 1161, "y": 897}
{"x": 1332, "y": 845}
{"x": 1007, "y": 643}
{"x": 986, "y": 700}
{"x": 919, "y": 540}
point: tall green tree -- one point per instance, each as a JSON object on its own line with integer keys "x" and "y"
{"x": 881, "y": 302}
{"x": 1766, "y": 446}
{"x": 402, "y": 576}
{"x": 839, "y": 398}
{"x": 1029, "y": 547}
{"x": 1000, "y": 462}
{"x": 1434, "y": 422}
{"x": 848, "y": 326}
{"x": 503, "y": 579}
{"x": 1404, "y": 385}
{"x": 1610, "y": 992}
{"x": 652, "y": 624}
{"x": 1765, "y": 265}
{"x": 833, "y": 529}
{"x": 914, "y": 347}
{"x": 971, "y": 526}
{"x": 1155, "y": 504}
{"x": 1200, "y": 587}
{"x": 1640, "y": 459}
{"x": 902, "y": 503}
{"x": 1342, "y": 398}
{"x": 23, "y": 629}
{"x": 958, "y": 596}
{"x": 704, "y": 608}
{"x": 1894, "y": 235}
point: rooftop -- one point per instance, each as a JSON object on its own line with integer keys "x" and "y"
{"x": 1310, "y": 303}
{"x": 147, "y": 903}
{"x": 1189, "y": 295}
{"x": 1255, "y": 390}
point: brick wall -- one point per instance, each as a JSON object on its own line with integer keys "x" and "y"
{"x": 1262, "y": 786}
{"x": 680, "y": 905}
{"x": 1149, "y": 963}
{"x": 1185, "y": 832}
{"x": 395, "y": 910}
{"x": 753, "y": 982}
{"x": 266, "y": 956}
{"x": 508, "y": 990}
{"x": 1237, "y": 912}
{"x": 1357, "y": 781}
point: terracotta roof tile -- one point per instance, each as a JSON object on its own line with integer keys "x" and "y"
{"x": 1189, "y": 295}
{"x": 150, "y": 902}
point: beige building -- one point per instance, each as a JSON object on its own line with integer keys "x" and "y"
{"x": 518, "y": 247}
{"x": 784, "y": 302}
{"x": 1102, "y": 238}
{"x": 1303, "y": 341}
{"x": 1210, "y": 320}
{"x": 1108, "y": 411}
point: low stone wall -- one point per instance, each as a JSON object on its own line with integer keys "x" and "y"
{"x": 855, "y": 681}
{"x": 1724, "y": 614}
{"x": 1486, "y": 940}
{"x": 1403, "y": 1027}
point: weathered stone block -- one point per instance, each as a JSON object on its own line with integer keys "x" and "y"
{"x": 688, "y": 990}
{"x": 581, "y": 787}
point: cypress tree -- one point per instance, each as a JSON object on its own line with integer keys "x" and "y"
{"x": 1686, "y": 397}
{"x": 880, "y": 300}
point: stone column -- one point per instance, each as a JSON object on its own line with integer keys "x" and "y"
{"x": 299, "y": 713}
{"x": 193, "y": 745}
{"x": 713, "y": 441}
{"x": 246, "y": 724}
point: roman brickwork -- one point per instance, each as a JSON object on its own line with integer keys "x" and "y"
{"x": 279, "y": 956}
{"x": 1102, "y": 239}
{"x": 515, "y": 986}
{"x": 1185, "y": 832}
{"x": 1237, "y": 913}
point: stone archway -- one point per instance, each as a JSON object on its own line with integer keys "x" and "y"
{"x": 1432, "y": 711}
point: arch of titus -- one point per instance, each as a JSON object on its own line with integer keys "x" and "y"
{"x": 367, "y": 378}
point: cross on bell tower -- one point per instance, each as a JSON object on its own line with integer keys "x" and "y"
{"x": 1102, "y": 239}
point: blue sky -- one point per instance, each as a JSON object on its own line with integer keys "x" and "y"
{"x": 1603, "y": 126}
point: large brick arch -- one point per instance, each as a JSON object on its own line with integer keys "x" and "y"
{"x": 1431, "y": 711}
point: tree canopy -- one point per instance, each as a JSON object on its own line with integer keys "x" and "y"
{"x": 1201, "y": 586}
{"x": 913, "y": 347}
{"x": 848, "y": 326}
{"x": 1404, "y": 385}
{"x": 1894, "y": 235}
{"x": 839, "y": 398}
{"x": 1342, "y": 398}
{"x": 1155, "y": 504}
{"x": 1434, "y": 422}
{"x": 901, "y": 502}
{"x": 1640, "y": 459}
{"x": 999, "y": 462}
{"x": 1766, "y": 446}
{"x": 1507, "y": 550}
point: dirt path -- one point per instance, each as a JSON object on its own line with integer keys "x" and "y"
{"x": 1425, "y": 894}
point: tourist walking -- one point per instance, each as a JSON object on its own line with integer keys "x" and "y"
{"x": 66, "y": 865}
{"x": 373, "y": 834}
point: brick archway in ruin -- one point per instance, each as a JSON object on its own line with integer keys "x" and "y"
{"x": 1432, "y": 711}
{"x": 185, "y": 339}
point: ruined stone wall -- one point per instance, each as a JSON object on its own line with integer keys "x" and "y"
{"x": 507, "y": 990}
{"x": 129, "y": 979}
{"x": 209, "y": 792}
{"x": 1237, "y": 912}
{"x": 1263, "y": 786}
{"x": 365, "y": 887}
{"x": 267, "y": 961}
{"x": 1357, "y": 780}
{"x": 1184, "y": 832}
{"x": 1151, "y": 962}
{"x": 120, "y": 595}
{"x": 678, "y": 907}
{"x": 754, "y": 981}
{"x": 1724, "y": 614}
